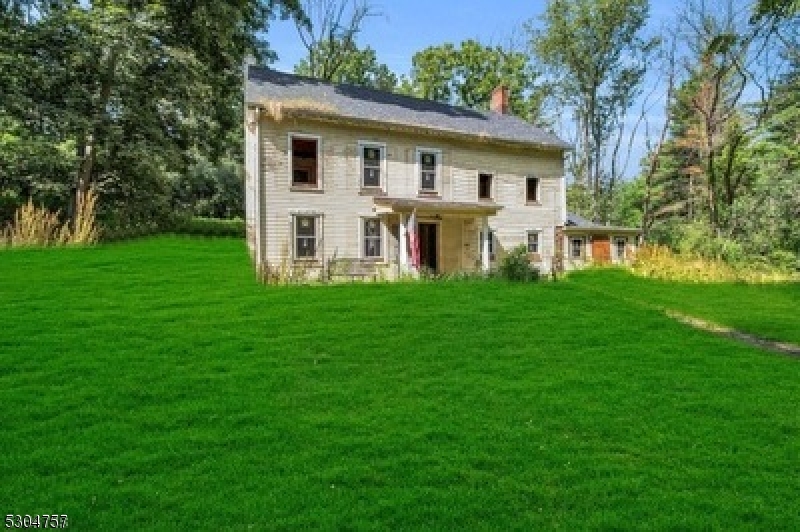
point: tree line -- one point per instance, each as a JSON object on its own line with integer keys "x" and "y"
{"x": 139, "y": 100}
{"x": 142, "y": 100}
{"x": 720, "y": 176}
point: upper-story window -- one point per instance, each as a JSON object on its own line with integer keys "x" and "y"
{"x": 304, "y": 157}
{"x": 372, "y": 164}
{"x": 485, "y": 186}
{"x": 429, "y": 162}
{"x": 532, "y": 190}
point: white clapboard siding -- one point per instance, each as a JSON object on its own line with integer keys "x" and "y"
{"x": 342, "y": 205}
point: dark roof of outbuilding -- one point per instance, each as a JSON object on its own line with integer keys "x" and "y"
{"x": 360, "y": 103}
{"x": 575, "y": 222}
{"x": 578, "y": 221}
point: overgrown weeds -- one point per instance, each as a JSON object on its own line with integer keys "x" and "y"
{"x": 288, "y": 271}
{"x": 660, "y": 262}
{"x": 34, "y": 226}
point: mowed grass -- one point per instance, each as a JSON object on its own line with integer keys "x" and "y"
{"x": 154, "y": 385}
{"x": 768, "y": 310}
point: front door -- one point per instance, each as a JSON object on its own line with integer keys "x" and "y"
{"x": 601, "y": 249}
{"x": 428, "y": 247}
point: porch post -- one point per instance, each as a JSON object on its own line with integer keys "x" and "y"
{"x": 485, "y": 245}
{"x": 403, "y": 251}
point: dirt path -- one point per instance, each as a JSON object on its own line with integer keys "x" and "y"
{"x": 783, "y": 348}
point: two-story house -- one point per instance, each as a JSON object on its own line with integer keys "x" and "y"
{"x": 337, "y": 171}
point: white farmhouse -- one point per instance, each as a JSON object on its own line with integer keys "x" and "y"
{"x": 335, "y": 171}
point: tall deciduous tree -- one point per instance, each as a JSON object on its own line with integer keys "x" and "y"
{"x": 597, "y": 55}
{"x": 466, "y": 75}
{"x": 329, "y": 35}
{"x": 767, "y": 217}
{"x": 713, "y": 124}
{"x": 126, "y": 91}
{"x": 358, "y": 67}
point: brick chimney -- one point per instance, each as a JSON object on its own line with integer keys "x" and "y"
{"x": 499, "y": 102}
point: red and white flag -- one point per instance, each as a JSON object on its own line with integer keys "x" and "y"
{"x": 413, "y": 240}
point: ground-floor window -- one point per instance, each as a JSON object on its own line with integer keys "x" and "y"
{"x": 305, "y": 236}
{"x": 533, "y": 241}
{"x": 576, "y": 248}
{"x": 491, "y": 242}
{"x": 619, "y": 245}
{"x": 373, "y": 248}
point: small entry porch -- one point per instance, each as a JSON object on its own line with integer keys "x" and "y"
{"x": 445, "y": 233}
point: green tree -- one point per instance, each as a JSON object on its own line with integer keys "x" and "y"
{"x": 358, "y": 66}
{"x": 466, "y": 75}
{"x": 329, "y": 35}
{"x": 768, "y": 216}
{"x": 782, "y": 9}
{"x": 122, "y": 91}
{"x": 597, "y": 58}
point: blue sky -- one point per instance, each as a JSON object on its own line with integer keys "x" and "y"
{"x": 407, "y": 26}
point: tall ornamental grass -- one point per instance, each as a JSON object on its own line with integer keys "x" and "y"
{"x": 34, "y": 226}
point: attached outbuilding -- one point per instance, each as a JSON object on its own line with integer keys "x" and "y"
{"x": 584, "y": 242}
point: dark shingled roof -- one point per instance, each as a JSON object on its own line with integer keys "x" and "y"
{"x": 578, "y": 222}
{"x": 360, "y": 103}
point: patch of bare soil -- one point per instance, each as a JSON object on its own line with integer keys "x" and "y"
{"x": 783, "y": 348}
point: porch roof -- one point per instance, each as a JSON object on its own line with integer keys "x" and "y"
{"x": 386, "y": 205}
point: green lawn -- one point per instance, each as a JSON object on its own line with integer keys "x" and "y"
{"x": 155, "y": 385}
{"x": 768, "y": 310}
